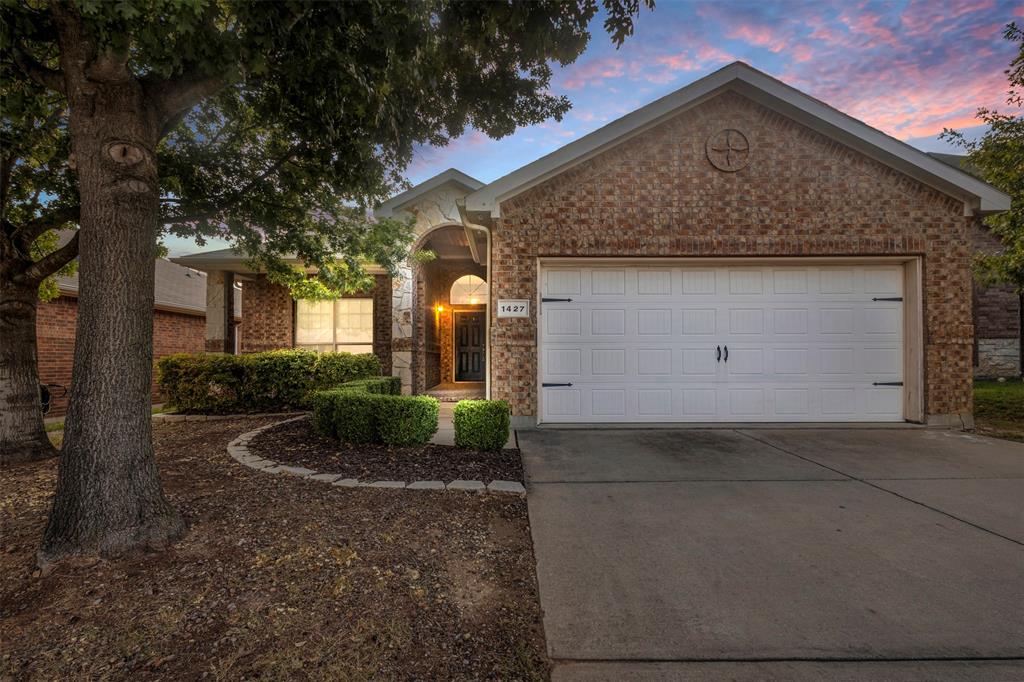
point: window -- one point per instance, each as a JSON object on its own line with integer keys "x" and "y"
{"x": 345, "y": 325}
{"x": 468, "y": 289}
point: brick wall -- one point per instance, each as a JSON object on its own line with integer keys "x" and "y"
{"x": 267, "y": 316}
{"x": 996, "y": 312}
{"x": 55, "y": 330}
{"x": 800, "y": 194}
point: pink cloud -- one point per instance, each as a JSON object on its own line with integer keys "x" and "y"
{"x": 592, "y": 72}
{"x": 761, "y": 36}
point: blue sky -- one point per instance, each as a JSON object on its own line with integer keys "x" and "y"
{"x": 908, "y": 68}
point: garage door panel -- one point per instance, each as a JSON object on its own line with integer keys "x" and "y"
{"x": 641, "y": 343}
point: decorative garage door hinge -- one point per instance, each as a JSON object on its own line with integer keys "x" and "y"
{"x": 887, "y": 383}
{"x": 893, "y": 298}
{"x": 550, "y": 385}
{"x": 556, "y": 300}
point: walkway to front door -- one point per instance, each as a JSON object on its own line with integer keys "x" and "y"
{"x": 778, "y": 554}
{"x": 469, "y": 345}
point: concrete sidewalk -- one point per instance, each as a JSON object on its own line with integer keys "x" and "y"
{"x": 786, "y": 554}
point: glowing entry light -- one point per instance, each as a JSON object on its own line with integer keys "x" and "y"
{"x": 474, "y": 300}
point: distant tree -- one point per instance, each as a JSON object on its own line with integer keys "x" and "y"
{"x": 37, "y": 197}
{"x": 998, "y": 157}
{"x": 275, "y": 125}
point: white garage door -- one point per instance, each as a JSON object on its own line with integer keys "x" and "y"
{"x": 637, "y": 343}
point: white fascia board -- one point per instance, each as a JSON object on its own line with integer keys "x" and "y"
{"x": 389, "y": 207}
{"x": 769, "y": 91}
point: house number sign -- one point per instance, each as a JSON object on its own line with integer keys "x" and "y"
{"x": 513, "y": 307}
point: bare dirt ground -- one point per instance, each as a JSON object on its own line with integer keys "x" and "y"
{"x": 297, "y": 444}
{"x": 278, "y": 578}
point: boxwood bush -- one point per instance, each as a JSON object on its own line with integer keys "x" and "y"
{"x": 481, "y": 424}
{"x": 274, "y": 380}
{"x": 372, "y": 411}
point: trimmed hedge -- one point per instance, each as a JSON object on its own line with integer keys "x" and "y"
{"x": 274, "y": 380}
{"x": 481, "y": 424}
{"x": 372, "y": 411}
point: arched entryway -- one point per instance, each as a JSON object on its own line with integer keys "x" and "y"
{"x": 450, "y": 317}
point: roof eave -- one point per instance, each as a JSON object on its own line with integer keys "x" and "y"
{"x": 452, "y": 175}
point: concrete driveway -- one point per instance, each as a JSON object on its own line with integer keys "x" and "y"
{"x": 778, "y": 553}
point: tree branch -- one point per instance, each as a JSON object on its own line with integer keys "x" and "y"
{"x": 52, "y": 262}
{"x": 174, "y": 98}
{"x": 48, "y": 78}
{"x": 49, "y": 220}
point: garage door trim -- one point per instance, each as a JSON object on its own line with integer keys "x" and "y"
{"x": 912, "y": 368}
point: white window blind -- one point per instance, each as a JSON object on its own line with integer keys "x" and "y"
{"x": 345, "y": 325}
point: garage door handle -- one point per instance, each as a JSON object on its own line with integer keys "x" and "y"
{"x": 550, "y": 385}
{"x": 556, "y": 300}
{"x": 727, "y": 353}
{"x": 718, "y": 353}
{"x": 887, "y": 383}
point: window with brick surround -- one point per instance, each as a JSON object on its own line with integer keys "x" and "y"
{"x": 344, "y": 325}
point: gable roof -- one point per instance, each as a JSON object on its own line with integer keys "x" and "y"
{"x": 453, "y": 175}
{"x": 772, "y": 93}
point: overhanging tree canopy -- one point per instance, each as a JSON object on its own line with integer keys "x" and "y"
{"x": 273, "y": 124}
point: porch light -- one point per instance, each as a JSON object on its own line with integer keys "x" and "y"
{"x": 440, "y": 308}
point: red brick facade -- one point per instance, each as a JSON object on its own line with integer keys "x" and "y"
{"x": 55, "y": 330}
{"x": 268, "y": 315}
{"x": 801, "y": 194}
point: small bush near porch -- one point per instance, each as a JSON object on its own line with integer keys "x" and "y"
{"x": 371, "y": 411}
{"x": 274, "y": 380}
{"x": 481, "y": 424}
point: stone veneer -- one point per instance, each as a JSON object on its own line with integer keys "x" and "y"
{"x": 801, "y": 194}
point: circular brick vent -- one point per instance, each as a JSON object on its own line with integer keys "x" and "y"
{"x": 728, "y": 150}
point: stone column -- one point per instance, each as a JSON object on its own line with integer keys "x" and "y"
{"x": 401, "y": 327}
{"x": 220, "y": 304}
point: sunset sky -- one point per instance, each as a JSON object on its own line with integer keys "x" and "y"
{"x": 908, "y": 68}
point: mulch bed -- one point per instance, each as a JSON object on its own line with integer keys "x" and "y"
{"x": 297, "y": 444}
{"x": 276, "y": 579}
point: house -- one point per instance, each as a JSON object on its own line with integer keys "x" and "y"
{"x": 736, "y": 251}
{"x": 996, "y": 311}
{"x": 179, "y": 323}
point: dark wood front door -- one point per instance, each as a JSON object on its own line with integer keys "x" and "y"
{"x": 470, "y": 350}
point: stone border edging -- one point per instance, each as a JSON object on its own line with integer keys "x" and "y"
{"x": 174, "y": 417}
{"x": 239, "y": 451}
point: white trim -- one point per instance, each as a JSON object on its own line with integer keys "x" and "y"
{"x": 389, "y": 207}
{"x": 977, "y": 195}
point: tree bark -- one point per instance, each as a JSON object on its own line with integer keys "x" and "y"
{"x": 109, "y": 499}
{"x": 22, "y": 436}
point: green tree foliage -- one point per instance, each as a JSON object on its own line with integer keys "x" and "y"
{"x": 998, "y": 157}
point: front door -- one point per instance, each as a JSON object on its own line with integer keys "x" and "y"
{"x": 469, "y": 346}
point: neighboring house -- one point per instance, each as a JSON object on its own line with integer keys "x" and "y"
{"x": 998, "y": 340}
{"x": 733, "y": 252}
{"x": 179, "y": 323}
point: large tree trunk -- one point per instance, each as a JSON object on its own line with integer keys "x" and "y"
{"x": 109, "y": 499}
{"x": 22, "y": 436}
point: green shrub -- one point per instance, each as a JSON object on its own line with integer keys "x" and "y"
{"x": 406, "y": 420}
{"x": 372, "y": 411}
{"x": 273, "y": 380}
{"x": 481, "y": 424}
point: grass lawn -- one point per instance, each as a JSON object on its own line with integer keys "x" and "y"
{"x": 277, "y": 578}
{"x": 999, "y": 408}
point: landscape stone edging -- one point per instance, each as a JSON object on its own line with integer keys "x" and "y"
{"x": 173, "y": 417}
{"x": 239, "y": 451}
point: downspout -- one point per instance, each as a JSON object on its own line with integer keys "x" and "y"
{"x": 461, "y": 205}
